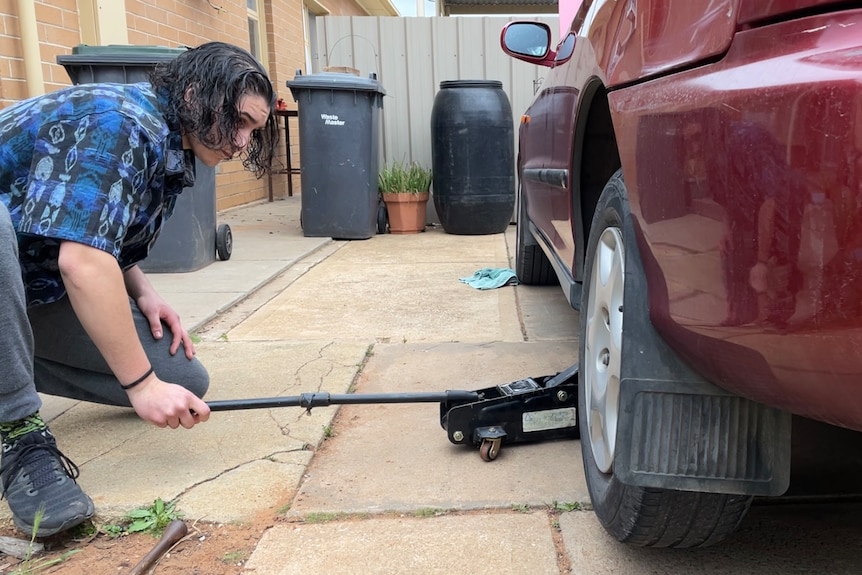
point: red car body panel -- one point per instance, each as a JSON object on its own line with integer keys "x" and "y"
{"x": 756, "y": 159}
{"x": 739, "y": 131}
{"x": 637, "y": 38}
{"x": 544, "y": 137}
{"x": 625, "y": 42}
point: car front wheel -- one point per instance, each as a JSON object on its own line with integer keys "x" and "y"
{"x": 640, "y": 516}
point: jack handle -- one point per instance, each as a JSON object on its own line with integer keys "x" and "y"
{"x": 562, "y": 377}
{"x": 324, "y": 399}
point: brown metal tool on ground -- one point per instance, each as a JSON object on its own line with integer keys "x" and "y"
{"x": 175, "y": 531}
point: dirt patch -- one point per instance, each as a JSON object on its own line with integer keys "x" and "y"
{"x": 208, "y": 549}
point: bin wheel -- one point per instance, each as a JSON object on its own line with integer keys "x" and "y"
{"x": 382, "y": 218}
{"x": 489, "y": 449}
{"x": 224, "y": 242}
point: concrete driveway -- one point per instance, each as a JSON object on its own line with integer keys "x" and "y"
{"x": 378, "y": 489}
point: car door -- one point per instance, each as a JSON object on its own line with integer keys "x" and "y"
{"x": 545, "y": 152}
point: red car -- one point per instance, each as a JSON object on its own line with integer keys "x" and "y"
{"x": 691, "y": 175}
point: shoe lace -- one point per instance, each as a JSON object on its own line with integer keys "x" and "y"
{"x": 39, "y": 460}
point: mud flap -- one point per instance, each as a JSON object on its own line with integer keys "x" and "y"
{"x": 677, "y": 430}
{"x": 697, "y": 437}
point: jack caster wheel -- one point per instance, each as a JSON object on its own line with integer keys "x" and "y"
{"x": 490, "y": 449}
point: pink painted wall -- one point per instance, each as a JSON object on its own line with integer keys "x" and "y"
{"x": 568, "y": 9}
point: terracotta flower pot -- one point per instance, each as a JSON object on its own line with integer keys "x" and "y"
{"x": 406, "y": 212}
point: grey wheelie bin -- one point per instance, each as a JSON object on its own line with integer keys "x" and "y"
{"x": 189, "y": 240}
{"x": 339, "y": 138}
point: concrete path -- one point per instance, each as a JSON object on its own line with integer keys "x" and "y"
{"x": 378, "y": 489}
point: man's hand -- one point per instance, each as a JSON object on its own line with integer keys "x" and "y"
{"x": 157, "y": 311}
{"x": 167, "y": 405}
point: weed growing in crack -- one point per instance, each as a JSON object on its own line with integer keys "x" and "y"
{"x": 565, "y": 507}
{"x": 322, "y": 517}
{"x": 427, "y": 512}
{"x": 152, "y": 519}
{"x": 235, "y": 557}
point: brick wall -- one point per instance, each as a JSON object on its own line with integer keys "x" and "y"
{"x": 58, "y": 30}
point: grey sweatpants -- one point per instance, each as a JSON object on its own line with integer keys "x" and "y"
{"x": 46, "y": 349}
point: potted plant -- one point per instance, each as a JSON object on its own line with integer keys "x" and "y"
{"x": 405, "y": 191}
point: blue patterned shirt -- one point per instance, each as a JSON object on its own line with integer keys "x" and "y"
{"x": 95, "y": 164}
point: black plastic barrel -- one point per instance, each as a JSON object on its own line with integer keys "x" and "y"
{"x": 473, "y": 157}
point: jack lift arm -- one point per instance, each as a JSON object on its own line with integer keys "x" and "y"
{"x": 526, "y": 410}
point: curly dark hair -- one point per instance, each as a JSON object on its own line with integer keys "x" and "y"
{"x": 216, "y": 76}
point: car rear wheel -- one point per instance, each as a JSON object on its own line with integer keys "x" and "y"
{"x": 639, "y": 516}
{"x": 531, "y": 264}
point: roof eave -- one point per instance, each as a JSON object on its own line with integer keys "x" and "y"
{"x": 378, "y": 7}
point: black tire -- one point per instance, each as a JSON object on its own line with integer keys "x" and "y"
{"x": 382, "y": 218}
{"x": 645, "y": 517}
{"x": 224, "y": 242}
{"x": 531, "y": 264}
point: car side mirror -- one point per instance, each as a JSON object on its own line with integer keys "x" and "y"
{"x": 528, "y": 41}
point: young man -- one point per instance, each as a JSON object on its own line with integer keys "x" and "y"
{"x": 88, "y": 174}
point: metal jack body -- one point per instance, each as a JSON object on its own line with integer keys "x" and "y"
{"x": 532, "y": 409}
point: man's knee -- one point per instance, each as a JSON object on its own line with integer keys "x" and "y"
{"x": 189, "y": 373}
{"x": 198, "y": 379}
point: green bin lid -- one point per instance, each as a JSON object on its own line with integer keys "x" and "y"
{"x": 119, "y": 54}
{"x": 335, "y": 81}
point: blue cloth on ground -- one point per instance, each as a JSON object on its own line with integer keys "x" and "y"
{"x": 490, "y": 278}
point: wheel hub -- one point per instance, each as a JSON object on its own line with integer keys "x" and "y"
{"x": 603, "y": 345}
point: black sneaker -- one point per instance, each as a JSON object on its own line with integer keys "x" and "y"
{"x": 35, "y": 476}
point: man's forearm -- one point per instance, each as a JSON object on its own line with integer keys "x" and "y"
{"x": 136, "y": 282}
{"x": 96, "y": 288}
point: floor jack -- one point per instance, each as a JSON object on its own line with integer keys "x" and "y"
{"x": 526, "y": 410}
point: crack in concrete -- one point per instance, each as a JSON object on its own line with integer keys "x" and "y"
{"x": 297, "y": 377}
{"x": 99, "y": 455}
{"x": 226, "y": 319}
{"x": 269, "y": 457}
{"x": 298, "y": 374}
{"x": 522, "y": 323}
{"x": 360, "y": 369}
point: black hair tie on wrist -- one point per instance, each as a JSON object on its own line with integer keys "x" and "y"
{"x": 139, "y": 380}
